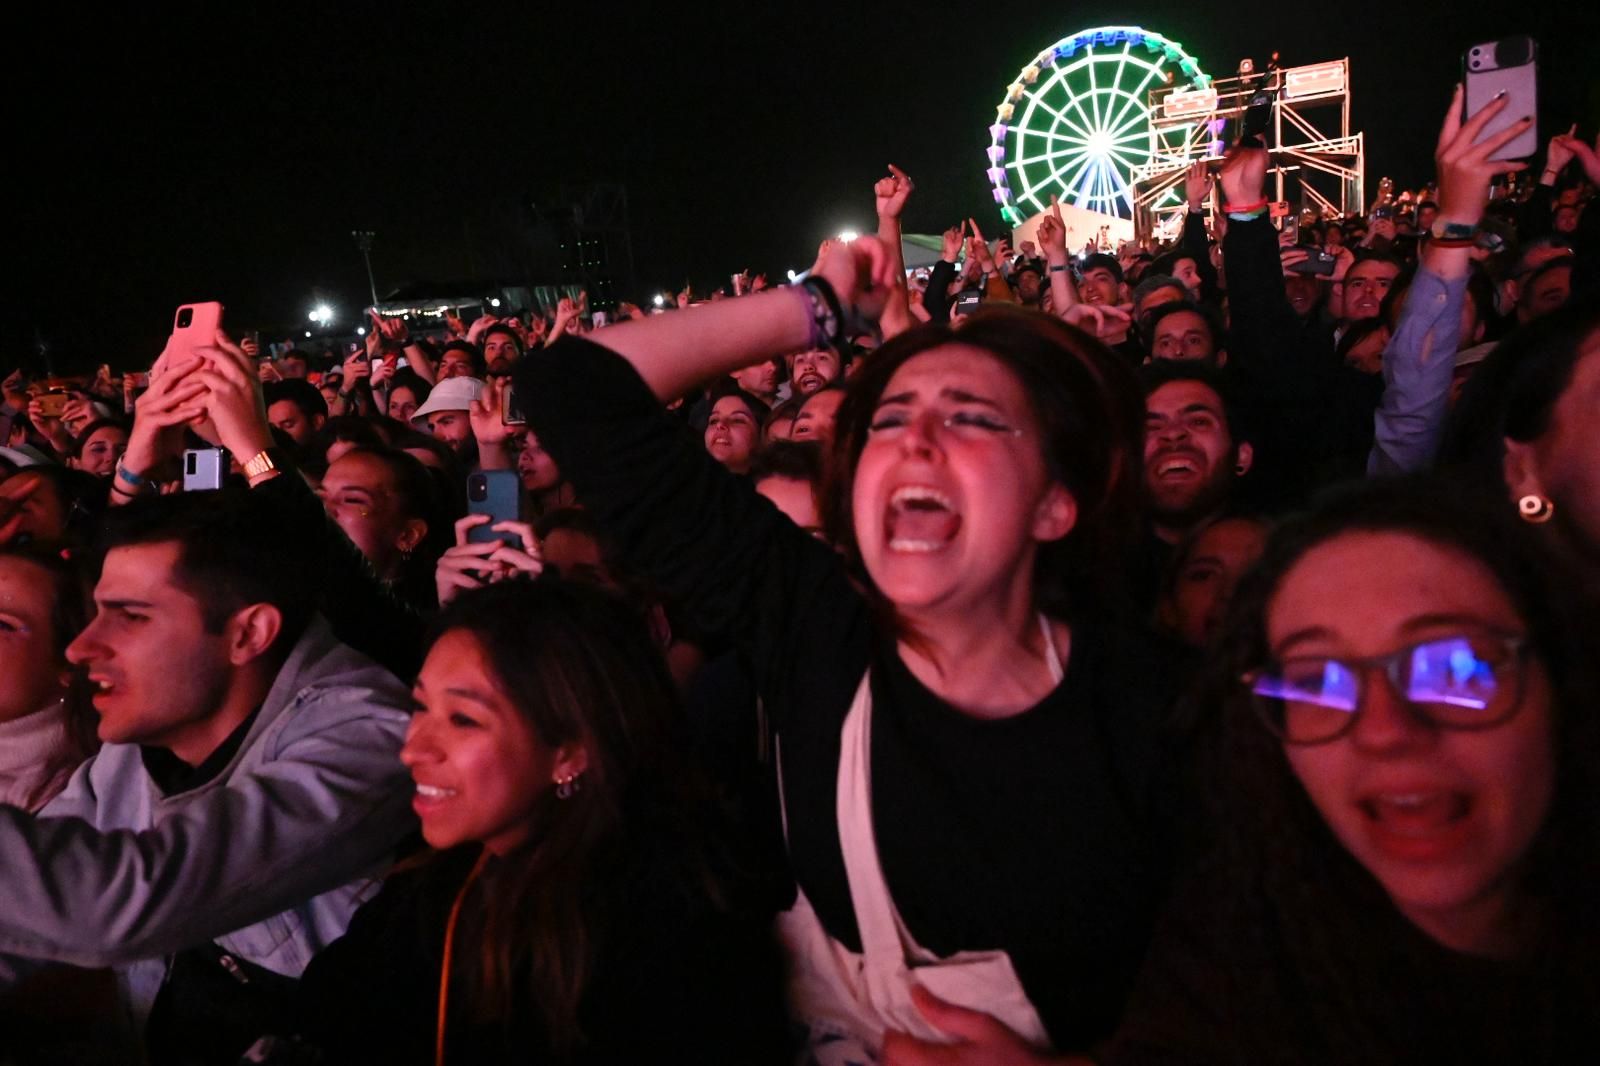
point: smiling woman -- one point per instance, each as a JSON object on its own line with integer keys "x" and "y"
{"x": 970, "y": 769}
{"x": 1409, "y": 850}
{"x": 579, "y": 906}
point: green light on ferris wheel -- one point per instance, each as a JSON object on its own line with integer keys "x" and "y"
{"x": 1076, "y": 121}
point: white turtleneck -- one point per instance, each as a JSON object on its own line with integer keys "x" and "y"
{"x": 37, "y": 756}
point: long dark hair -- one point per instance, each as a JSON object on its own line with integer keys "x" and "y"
{"x": 580, "y": 664}
{"x": 1087, "y": 405}
{"x": 1295, "y": 896}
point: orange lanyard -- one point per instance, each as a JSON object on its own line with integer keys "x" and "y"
{"x": 449, "y": 950}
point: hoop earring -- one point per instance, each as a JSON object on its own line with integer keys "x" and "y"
{"x": 567, "y": 786}
{"x": 1536, "y": 509}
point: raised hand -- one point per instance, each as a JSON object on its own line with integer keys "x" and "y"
{"x": 469, "y": 565}
{"x": 175, "y": 398}
{"x": 357, "y": 368}
{"x": 1197, "y": 185}
{"x": 453, "y": 322}
{"x": 475, "y": 332}
{"x": 232, "y": 401}
{"x": 383, "y": 370}
{"x": 487, "y": 425}
{"x": 1103, "y": 320}
{"x": 1052, "y": 233}
{"x": 978, "y": 248}
{"x": 391, "y": 329}
{"x": 950, "y": 248}
{"x": 1588, "y": 158}
{"x": 890, "y": 194}
{"x": 861, "y": 273}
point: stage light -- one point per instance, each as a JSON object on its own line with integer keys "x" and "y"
{"x": 660, "y": 300}
{"x": 308, "y": 333}
{"x": 1246, "y": 66}
{"x": 361, "y": 331}
{"x": 322, "y": 314}
{"x": 793, "y": 276}
{"x": 848, "y": 235}
{"x": 494, "y": 301}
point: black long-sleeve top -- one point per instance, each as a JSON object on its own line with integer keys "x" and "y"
{"x": 1045, "y": 834}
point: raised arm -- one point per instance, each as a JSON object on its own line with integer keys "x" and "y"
{"x": 1419, "y": 363}
{"x": 1052, "y": 234}
{"x": 674, "y": 353}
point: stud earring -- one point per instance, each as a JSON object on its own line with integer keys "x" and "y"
{"x": 566, "y": 786}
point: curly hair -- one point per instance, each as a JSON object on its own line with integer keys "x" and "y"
{"x": 1339, "y": 963}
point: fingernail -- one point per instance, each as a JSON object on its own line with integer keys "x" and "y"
{"x": 1499, "y": 94}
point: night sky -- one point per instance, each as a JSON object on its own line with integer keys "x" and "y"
{"x": 165, "y": 157}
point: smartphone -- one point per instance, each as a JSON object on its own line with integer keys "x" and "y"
{"x": 1318, "y": 263}
{"x": 194, "y": 326}
{"x": 53, "y": 404}
{"x": 511, "y": 412}
{"x": 1511, "y": 67}
{"x": 204, "y": 469}
{"x": 1289, "y": 230}
{"x": 498, "y": 494}
{"x": 968, "y": 301}
{"x": 1383, "y": 211}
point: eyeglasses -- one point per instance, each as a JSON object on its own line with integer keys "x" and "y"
{"x": 963, "y": 425}
{"x": 1455, "y": 682}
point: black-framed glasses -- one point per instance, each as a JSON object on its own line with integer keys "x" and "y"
{"x": 1464, "y": 681}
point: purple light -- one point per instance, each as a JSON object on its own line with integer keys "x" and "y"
{"x": 997, "y": 132}
{"x": 1000, "y": 196}
{"x": 997, "y": 175}
{"x": 997, "y": 152}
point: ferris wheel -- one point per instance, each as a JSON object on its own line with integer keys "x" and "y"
{"x": 1076, "y": 121}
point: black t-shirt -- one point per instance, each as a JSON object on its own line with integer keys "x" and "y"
{"x": 1046, "y": 834}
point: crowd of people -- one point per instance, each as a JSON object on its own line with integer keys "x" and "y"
{"x": 1181, "y": 655}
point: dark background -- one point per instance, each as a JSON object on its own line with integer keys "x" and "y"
{"x": 180, "y": 153}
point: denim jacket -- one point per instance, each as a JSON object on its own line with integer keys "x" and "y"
{"x": 269, "y": 859}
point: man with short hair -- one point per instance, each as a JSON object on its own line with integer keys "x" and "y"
{"x": 1181, "y": 330}
{"x": 1192, "y": 456}
{"x": 817, "y": 414}
{"x": 1155, "y": 290}
{"x": 461, "y": 359}
{"x": 1027, "y": 280}
{"x": 248, "y": 792}
{"x": 759, "y": 380}
{"x": 293, "y": 365}
{"x": 1365, "y": 285}
{"x": 295, "y": 406}
{"x": 502, "y": 349}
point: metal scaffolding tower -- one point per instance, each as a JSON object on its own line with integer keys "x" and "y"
{"x": 1312, "y": 151}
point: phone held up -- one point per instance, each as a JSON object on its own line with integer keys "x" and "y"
{"x": 498, "y": 494}
{"x": 511, "y": 412}
{"x": 1510, "y": 67}
{"x": 205, "y": 469}
{"x": 194, "y": 327}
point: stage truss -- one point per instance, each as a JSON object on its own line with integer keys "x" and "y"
{"x": 1309, "y": 139}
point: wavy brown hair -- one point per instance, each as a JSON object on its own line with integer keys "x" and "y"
{"x": 1091, "y": 416}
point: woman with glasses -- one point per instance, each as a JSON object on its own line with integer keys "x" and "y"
{"x": 967, "y": 749}
{"x": 1409, "y": 845}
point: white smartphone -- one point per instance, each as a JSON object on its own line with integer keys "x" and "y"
{"x": 1509, "y": 66}
{"x": 204, "y": 469}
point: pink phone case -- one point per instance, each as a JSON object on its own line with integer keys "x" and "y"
{"x": 194, "y": 326}
{"x": 1510, "y": 65}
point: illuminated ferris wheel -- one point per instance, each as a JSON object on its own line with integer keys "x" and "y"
{"x": 1076, "y": 121}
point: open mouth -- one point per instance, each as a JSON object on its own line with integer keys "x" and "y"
{"x": 920, "y": 519}
{"x": 1417, "y": 824}
{"x": 1177, "y": 466}
{"x": 429, "y": 797}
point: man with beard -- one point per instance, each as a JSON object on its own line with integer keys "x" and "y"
{"x": 812, "y": 370}
{"x": 1192, "y": 458}
{"x": 502, "y": 349}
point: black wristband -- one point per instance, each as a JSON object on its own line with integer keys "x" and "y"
{"x": 827, "y": 317}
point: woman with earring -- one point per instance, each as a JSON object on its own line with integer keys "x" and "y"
{"x": 46, "y": 723}
{"x": 1408, "y": 830}
{"x": 577, "y": 907}
{"x": 385, "y": 502}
